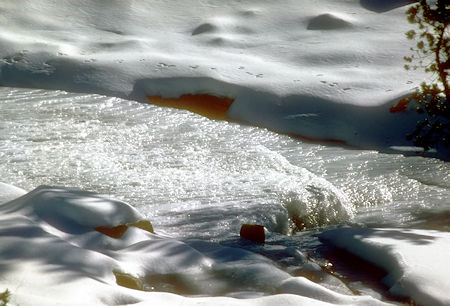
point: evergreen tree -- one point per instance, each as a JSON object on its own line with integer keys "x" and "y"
{"x": 4, "y": 297}
{"x": 431, "y": 53}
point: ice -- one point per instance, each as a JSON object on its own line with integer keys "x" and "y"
{"x": 416, "y": 260}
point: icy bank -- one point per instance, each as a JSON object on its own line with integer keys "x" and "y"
{"x": 323, "y": 70}
{"x": 52, "y": 254}
{"x": 416, "y": 260}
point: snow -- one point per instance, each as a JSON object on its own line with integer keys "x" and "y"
{"x": 49, "y": 244}
{"x": 323, "y": 70}
{"x": 9, "y": 192}
{"x": 416, "y": 260}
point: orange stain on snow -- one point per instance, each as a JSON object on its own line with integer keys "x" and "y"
{"x": 206, "y": 105}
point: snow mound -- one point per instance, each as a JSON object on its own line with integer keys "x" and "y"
{"x": 48, "y": 244}
{"x": 328, "y": 22}
{"x": 417, "y": 268}
{"x": 301, "y": 285}
{"x": 73, "y": 210}
{"x": 204, "y": 28}
{"x": 9, "y": 192}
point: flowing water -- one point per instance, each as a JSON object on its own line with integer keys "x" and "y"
{"x": 195, "y": 178}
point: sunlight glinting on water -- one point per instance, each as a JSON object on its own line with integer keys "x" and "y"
{"x": 187, "y": 169}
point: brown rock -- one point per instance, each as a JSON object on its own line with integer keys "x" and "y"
{"x": 112, "y": 231}
{"x": 253, "y": 232}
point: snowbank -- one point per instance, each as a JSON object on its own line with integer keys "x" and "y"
{"x": 324, "y": 70}
{"x": 416, "y": 260}
{"x": 52, "y": 254}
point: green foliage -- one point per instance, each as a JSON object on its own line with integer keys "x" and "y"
{"x": 431, "y": 53}
{"x": 4, "y": 297}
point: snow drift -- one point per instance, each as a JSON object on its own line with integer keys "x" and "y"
{"x": 50, "y": 243}
{"x": 323, "y": 70}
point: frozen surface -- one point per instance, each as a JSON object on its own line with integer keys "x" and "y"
{"x": 416, "y": 261}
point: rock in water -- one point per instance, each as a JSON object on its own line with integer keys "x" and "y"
{"x": 253, "y": 232}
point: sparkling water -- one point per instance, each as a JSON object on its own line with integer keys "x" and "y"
{"x": 196, "y": 178}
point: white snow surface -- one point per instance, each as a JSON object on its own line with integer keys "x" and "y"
{"x": 321, "y": 69}
{"x": 9, "y": 192}
{"x": 416, "y": 260}
{"x": 50, "y": 254}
